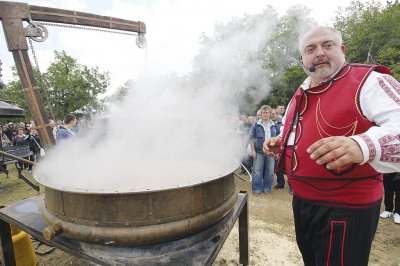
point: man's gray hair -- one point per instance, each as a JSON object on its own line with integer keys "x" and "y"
{"x": 317, "y": 30}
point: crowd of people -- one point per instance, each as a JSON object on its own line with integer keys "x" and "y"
{"x": 26, "y": 134}
{"x": 265, "y": 124}
{"x": 21, "y": 134}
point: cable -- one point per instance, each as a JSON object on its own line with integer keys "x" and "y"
{"x": 248, "y": 173}
{"x": 39, "y": 244}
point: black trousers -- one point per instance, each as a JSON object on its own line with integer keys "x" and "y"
{"x": 334, "y": 236}
{"x": 392, "y": 185}
{"x": 280, "y": 178}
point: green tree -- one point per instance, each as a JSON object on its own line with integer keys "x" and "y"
{"x": 233, "y": 58}
{"x": 271, "y": 46}
{"x": 66, "y": 87}
{"x": 13, "y": 92}
{"x": 284, "y": 88}
{"x": 281, "y": 51}
{"x": 370, "y": 33}
{"x": 283, "y": 56}
{"x": 121, "y": 92}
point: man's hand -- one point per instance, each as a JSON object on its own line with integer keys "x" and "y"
{"x": 271, "y": 146}
{"x": 336, "y": 152}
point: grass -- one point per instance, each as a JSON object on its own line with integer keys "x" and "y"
{"x": 13, "y": 188}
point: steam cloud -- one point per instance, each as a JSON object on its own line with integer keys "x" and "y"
{"x": 172, "y": 132}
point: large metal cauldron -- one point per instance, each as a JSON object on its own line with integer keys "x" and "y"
{"x": 136, "y": 219}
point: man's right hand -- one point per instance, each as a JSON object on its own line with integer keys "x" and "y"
{"x": 271, "y": 146}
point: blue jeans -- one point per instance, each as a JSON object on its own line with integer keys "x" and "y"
{"x": 263, "y": 173}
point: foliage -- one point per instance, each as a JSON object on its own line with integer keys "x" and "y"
{"x": 66, "y": 87}
{"x": 284, "y": 88}
{"x": 284, "y": 56}
{"x": 265, "y": 64}
{"x": 233, "y": 58}
{"x": 282, "y": 49}
{"x": 371, "y": 34}
{"x": 263, "y": 57}
{"x": 13, "y": 92}
{"x": 121, "y": 92}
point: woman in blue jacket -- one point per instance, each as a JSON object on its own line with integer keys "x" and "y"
{"x": 263, "y": 165}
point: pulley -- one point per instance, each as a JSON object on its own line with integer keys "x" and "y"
{"x": 36, "y": 31}
{"x": 141, "y": 41}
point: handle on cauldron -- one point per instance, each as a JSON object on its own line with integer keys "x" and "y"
{"x": 52, "y": 231}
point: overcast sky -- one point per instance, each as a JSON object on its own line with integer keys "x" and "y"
{"x": 173, "y": 31}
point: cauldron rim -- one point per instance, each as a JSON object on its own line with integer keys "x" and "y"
{"x": 96, "y": 191}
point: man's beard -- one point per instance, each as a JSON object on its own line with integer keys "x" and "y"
{"x": 322, "y": 74}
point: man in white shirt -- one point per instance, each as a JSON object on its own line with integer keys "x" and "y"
{"x": 341, "y": 131}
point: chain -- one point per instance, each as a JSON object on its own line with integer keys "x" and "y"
{"x": 34, "y": 55}
{"x": 88, "y": 28}
{"x": 72, "y": 27}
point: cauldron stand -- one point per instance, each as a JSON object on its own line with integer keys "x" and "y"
{"x": 198, "y": 249}
{"x": 24, "y": 153}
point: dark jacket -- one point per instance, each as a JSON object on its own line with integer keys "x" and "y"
{"x": 257, "y": 134}
{"x": 10, "y": 133}
{"x": 20, "y": 140}
{"x": 34, "y": 143}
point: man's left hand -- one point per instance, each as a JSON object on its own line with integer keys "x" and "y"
{"x": 336, "y": 152}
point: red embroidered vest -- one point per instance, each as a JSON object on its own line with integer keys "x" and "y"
{"x": 330, "y": 109}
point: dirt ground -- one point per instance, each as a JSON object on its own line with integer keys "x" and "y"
{"x": 272, "y": 240}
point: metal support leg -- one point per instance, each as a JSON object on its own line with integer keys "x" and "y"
{"x": 7, "y": 251}
{"x": 26, "y": 180}
{"x": 3, "y": 169}
{"x": 244, "y": 234}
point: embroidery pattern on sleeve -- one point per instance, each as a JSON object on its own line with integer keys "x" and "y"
{"x": 389, "y": 150}
{"x": 371, "y": 147}
{"x": 388, "y": 91}
{"x": 393, "y": 83}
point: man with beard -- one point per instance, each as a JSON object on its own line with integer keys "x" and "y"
{"x": 341, "y": 131}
